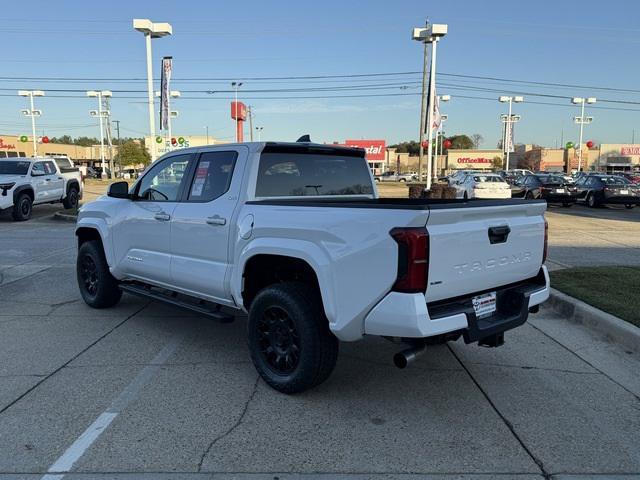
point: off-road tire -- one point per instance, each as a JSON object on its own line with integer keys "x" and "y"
{"x": 71, "y": 200}
{"x": 99, "y": 289}
{"x": 298, "y": 310}
{"x": 23, "y": 208}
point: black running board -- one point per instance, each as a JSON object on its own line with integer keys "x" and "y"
{"x": 209, "y": 309}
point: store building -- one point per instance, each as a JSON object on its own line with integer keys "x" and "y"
{"x": 471, "y": 159}
{"x": 616, "y": 157}
{"x": 375, "y": 153}
{"x": 179, "y": 142}
{"x": 12, "y": 146}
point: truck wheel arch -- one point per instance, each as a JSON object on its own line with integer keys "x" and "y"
{"x": 89, "y": 231}
{"x": 23, "y": 189}
{"x": 264, "y": 269}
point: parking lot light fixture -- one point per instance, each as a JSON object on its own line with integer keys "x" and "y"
{"x": 151, "y": 30}
{"x": 430, "y": 34}
{"x": 33, "y": 113}
{"x": 582, "y": 121}
{"x": 100, "y": 94}
{"x": 508, "y": 121}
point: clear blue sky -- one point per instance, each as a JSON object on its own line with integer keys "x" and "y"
{"x": 570, "y": 42}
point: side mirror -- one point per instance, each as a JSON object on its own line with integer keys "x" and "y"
{"x": 118, "y": 190}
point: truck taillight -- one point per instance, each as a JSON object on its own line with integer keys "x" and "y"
{"x": 546, "y": 241}
{"x": 413, "y": 259}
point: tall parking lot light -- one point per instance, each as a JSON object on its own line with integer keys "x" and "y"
{"x": 582, "y": 120}
{"x": 99, "y": 94}
{"x": 151, "y": 30}
{"x": 430, "y": 34}
{"x": 510, "y": 120}
{"x": 33, "y": 113}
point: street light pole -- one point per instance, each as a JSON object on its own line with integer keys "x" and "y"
{"x": 151, "y": 30}
{"x": 101, "y": 113}
{"x": 582, "y": 120}
{"x": 508, "y": 129}
{"x": 423, "y": 111}
{"x": 33, "y": 113}
{"x": 430, "y": 34}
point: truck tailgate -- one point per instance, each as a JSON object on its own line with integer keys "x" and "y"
{"x": 476, "y": 248}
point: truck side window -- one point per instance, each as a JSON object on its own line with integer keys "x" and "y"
{"x": 162, "y": 182}
{"x": 38, "y": 168}
{"x": 213, "y": 176}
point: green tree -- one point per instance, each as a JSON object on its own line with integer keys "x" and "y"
{"x": 85, "y": 141}
{"x": 497, "y": 163}
{"x": 65, "y": 139}
{"x": 461, "y": 142}
{"x": 412, "y": 147}
{"x": 133, "y": 153}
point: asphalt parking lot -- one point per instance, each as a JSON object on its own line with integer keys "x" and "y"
{"x": 147, "y": 389}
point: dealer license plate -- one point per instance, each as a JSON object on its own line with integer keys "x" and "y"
{"x": 624, "y": 192}
{"x": 484, "y": 305}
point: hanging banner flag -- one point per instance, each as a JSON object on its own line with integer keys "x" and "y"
{"x": 437, "y": 118}
{"x": 165, "y": 80}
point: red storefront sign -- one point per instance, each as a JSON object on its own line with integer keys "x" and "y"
{"x": 6, "y": 146}
{"x": 474, "y": 160}
{"x": 630, "y": 151}
{"x": 375, "y": 148}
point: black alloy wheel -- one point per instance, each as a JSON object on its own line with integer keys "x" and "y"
{"x": 279, "y": 340}
{"x": 89, "y": 274}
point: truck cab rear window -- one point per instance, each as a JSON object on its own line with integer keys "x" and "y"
{"x": 305, "y": 174}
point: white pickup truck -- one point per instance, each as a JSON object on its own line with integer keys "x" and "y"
{"x": 25, "y": 182}
{"x": 295, "y": 235}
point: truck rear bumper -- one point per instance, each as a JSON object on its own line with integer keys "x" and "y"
{"x": 409, "y": 316}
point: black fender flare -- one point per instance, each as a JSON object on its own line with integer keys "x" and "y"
{"x": 23, "y": 189}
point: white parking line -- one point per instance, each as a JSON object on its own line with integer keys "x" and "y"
{"x": 65, "y": 462}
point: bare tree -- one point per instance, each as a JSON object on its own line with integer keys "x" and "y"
{"x": 477, "y": 140}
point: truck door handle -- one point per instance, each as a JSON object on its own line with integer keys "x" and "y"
{"x": 47, "y": 179}
{"x": 216, "y": 220}
{"x": 163, "y": 217}
{"x": 499, "y": 234}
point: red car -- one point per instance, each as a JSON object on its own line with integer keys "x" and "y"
{"x": 632, "y": 177}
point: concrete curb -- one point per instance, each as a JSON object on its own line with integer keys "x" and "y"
{"x": 65, "y": 217}
{"x": 613, "y": 328}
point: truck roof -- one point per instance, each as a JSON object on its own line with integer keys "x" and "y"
{"x": 291, "y": 147}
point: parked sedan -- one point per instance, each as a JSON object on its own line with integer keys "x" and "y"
{"x": 596, "y": 190}
{"x": 482, "y": 185}
{"x": 552, "y": 188}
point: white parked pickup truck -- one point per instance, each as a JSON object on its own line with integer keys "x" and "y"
{"x": 25, "y": 182}
{"x": 295, "y": 235}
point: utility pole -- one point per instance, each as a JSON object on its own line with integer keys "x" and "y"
{"x": 250, "y": 112}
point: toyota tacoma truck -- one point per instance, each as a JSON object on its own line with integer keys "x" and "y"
{"x": 25, "y": 182}
{"x": 294, "y": 235}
